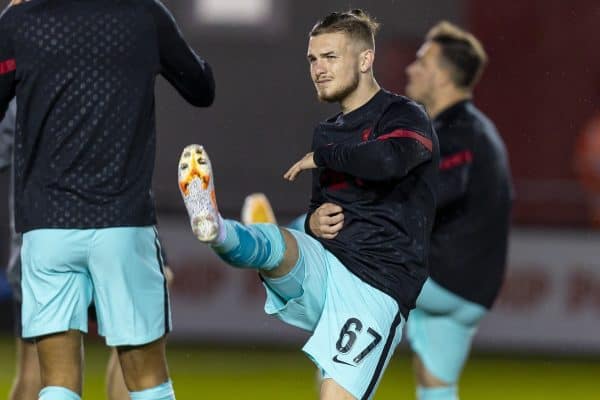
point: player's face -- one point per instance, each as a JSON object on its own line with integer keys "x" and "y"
{"x": 423, "y": 73}
{"x": 334, "y": 66}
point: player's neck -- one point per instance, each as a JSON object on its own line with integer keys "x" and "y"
{"x": 364, "y": 92}
{"x": 446, "y": 100}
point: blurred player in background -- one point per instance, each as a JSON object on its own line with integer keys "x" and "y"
{"x": 377, "y": 161}
{"x": 83, "y": 74}
{"x": 470, "y": 234}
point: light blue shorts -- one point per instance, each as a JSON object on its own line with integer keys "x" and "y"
{"x": 355, "y": 327}
{"x": 121, "y": 269}
{"x": 440, "y": 330}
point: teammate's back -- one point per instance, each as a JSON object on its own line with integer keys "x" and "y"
{"x": 84, "y": 79}
{"x": 484, "y": 205}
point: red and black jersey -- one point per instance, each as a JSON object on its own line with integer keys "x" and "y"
{"x": 470, "y": 234}
{"x": 380, "y": 164}
{"x": 83, "y": 73}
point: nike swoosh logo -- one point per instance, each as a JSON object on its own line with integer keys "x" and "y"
{"x": 337, "y": 360}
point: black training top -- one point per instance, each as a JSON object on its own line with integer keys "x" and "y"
{"x": 469, "y": 241}
{"x": 83, "y": 72}
{"x": 380, "y": 164}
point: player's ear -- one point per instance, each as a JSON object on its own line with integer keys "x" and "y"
{"x": 366, "y": 59}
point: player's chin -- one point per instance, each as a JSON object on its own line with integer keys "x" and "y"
{"x": 327, "y": 97}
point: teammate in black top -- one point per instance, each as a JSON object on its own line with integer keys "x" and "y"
{"x": 377, "y": 162}
{"x": 27, "y": 382}
{"x": 83, "y": 74}
{"x": 469, "y": 240}
{"x": 84, "y": 78}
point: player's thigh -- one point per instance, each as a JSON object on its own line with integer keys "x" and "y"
{"x": 131, "y": 296}
{"x": 56, "y": 286}
{"x": 358, "y": 331}
{"x": 305, "y": 310}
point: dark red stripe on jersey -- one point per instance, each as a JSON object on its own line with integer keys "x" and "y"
{"x": 366, "y": 134}
{"x": 8, "y": 66}
{"x": 402, "y": 133}
{"x": 333, "y": 180}
{"x": 456, "y": 160}
{"x": 338, "y": 186}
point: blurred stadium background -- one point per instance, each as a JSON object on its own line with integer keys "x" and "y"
{"x": 542, "y": 88}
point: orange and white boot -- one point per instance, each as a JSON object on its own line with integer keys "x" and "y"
{"x": 196, "y": 185}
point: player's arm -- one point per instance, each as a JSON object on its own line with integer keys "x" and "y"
{"x": 403, "y": 143}
{"x": 180, "y": 65}
{"x": 8, "y": 65}
{"x": 323, "y": 219}
{"x": 7, "y": 132}
{"x": 455, "y": 175}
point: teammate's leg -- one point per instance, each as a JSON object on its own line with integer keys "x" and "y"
{"x": 145, "y": 370}
{"x": 431, "y": 387}
{"x": 440, "y": 331}
{"x": 56, "y": 294}
{"x": 133, "y": 307}
{"x": 61, "y": 362}
{"x": 115, "y": 383}
{"x": 27, "y": 383}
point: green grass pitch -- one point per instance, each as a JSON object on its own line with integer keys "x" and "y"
{"x": 206, "y": 372}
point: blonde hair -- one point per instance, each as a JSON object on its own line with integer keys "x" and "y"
{"x": 356, "y": 23}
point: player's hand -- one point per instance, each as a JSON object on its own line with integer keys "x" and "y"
{"x": 169, "y": 275}
{"x": 327, "y": 221}
{"x": 15, "y": 2}
{"x": 307, "y": 162}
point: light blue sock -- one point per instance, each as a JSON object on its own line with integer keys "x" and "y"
{"x": 437, "y": 393}
{"x": 160, "y": 392}
{"x": 256, "y": 246}
{"x": 57, "y": 393}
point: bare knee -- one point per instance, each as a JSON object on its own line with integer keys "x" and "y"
{"x": 330, "y": 390}
{"x": 290, "y": 257}
{"x": 145, "y": 366}
{"x": 423, "y": 376}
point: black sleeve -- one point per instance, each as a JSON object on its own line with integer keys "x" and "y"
{"x": 8, "y": 63}
{"x": 180, "y": 65}
{"x": 403, "y": 141}
{"x": 316, "y": 199}
{"x": 455, "y": 174}
{"x": 7, "y": 137}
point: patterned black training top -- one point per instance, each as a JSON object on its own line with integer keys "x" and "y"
{"x": 83, "y": 72}
{"x": 380, "y": 164}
